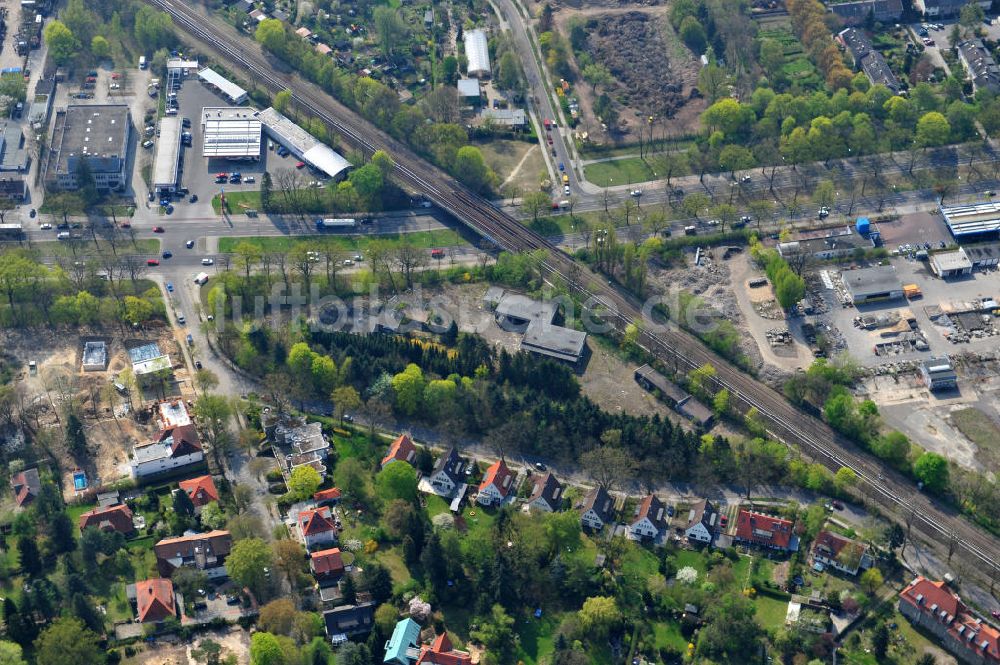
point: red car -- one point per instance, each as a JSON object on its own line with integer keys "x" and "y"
{"x": 157, "y": 229}
{"x": 723, "y": 521}
{"x": 115, "y": 76}
{"x": 152, "y": 262}
{"x": 221, "y": 175}
{"x": 437, "y": 253}
{"x": 300, "y": 165}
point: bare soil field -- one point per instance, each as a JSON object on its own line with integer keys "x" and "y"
{"x": 518, "y": 164}
{"x": 234, "y": 641}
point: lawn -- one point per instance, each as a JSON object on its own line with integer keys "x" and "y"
{"x": 770, "y": 612}
{"x": 391, "y": 559}
{"x": 238, "y": 202}
{"x": 536, "y": 635}
{"x": 692, "y": 558}
{"x": 356, "y": 446}
{"x": 76, "y": 249}
{"x": 353, "y": 243}
{"x": 624, "y": 171}
{"x": 435, "y": 505}
{"x": 668, "y": 634}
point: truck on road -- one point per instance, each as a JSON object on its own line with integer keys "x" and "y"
{"x": 331, "y": 223}
{"x": 201, "y": 278}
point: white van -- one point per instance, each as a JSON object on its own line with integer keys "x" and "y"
{"x": 62, "y": 235}
{"x": 142, "y": 62}
{"x": 201, "y": 278}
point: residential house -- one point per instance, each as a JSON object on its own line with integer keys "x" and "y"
{"x": 172, "y": 449}
{"x": 867, "y": 59}
{"x": 547, "y": 495}
{"x": 447, "y": 473}
{"x": 200, "y": 490}
{"x": 945, "y": 7}
{"x": 327, "y": 566}
{"x": 401, "y": 450}
{"x": 26, "y": 486}
{"x": 441, "y": 652}
{"x": 598, "y": 509}
{"x": 937, "y": 609}
{"x": 152, "y": 600}
{"x": 837, "y": 551}
{"x": 296, "y": 443}
{"x": 979, "y": 65}
{"x": 327, "y": 497}
{"x": 317, "y": 527}
{"x": 702, "y": 522}
{"x": 114, "y": 518}
{"x": 497, "y": 486}
{"x": 203, "y": 551}
{"x": 349, "y": 620}
{"x": 858, "y": 11}
{"x": 401, "y": 647}
{"x": 755, "y": 528}
{"x": 650, "y": 519}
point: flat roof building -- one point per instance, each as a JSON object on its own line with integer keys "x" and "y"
{"x": 148, "y": 358}
{"x": 830, "y": 245}
{"x": 950, "y": 264}
{"x": 168, "y": 155}
{"x": 938, "y": 374}
{"x": 986, "y": 255}
{"x": 477, "y": 54}
{"x": 512, "y": 118}
{"x": 15, "y": 157}
{"x": 181, "y": 66}
{"x": 230, "y": 133}
{"x": 469, "y": 89}
{"x": 234, "y": 93}
{"x": 972, "y": 219}
{"x": 97, "y": 133}
{"x": 854, "y": 13}
{"x": 95, "y": 357}
{"x": 515, "y": 312}
{"x": 870, "y": 284}
{"x": 302, "y": 144}
{"x": 554, "y": 341}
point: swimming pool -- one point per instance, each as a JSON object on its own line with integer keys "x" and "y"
{"x": 79, "y": 480}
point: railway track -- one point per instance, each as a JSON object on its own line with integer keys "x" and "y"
{"x": 886, "y": 487}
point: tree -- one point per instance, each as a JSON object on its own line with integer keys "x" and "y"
{"x": 271, "y": 35}
{"x": 76, "y": 439}
{"x": 599, "y": 616}
{"x": 11, "y": 654}
{"x": 408, "y": 386}
{"x": 534, "y": 203}
{"x": 265, "y": 649}
{"x": 63, "y": 44}
{"x": 932, "y": 470}
{"x": 283, "y": 100}
{"x": 496, "y": 632}
{"x": 67, "y": 642}
{"x": 206, "y": 379}
{"x": 732, "y": 631}
{"x": 397, "y": 481}
{"x": 845, "y": 477}
{"x": 693, "y": 35}
{"x": 735, "y": 158}
{"x": 303, "y": 482}
{"x": 871, "y": 580}
{"x": 99, "y": 47}
{"x": 278, "y": 616}
{"x": 377, "y": 581}
{"x": 880, "y": 641}
{"x": 31, "y": 560}
{"x": 933, "y": 129}
{"x": 471, "y": 169}
{"x": 345, "y": 399}
{"x": 772, "y": 55}
{"x": 390, "y": 28}
{"x": 609, "y": 466}
{"x": 893, "y": 447}
{"x": 213, "y": 413}
{"x": 182, "y": 504}
{"x": 970, "y": 17}
{"x": 348, "y": 590}
{"x": 597, "y": 75}
{"x": 247, "y": 564}
{"x": 136, "y": 311}
{"x": 353, "y": 653}
{"x": 789, "y": 289}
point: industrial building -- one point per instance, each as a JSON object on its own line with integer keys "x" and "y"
{"x": 508, "y": 118}
{"x": 469, "y": 93}
{"x": 168, "y": 153}
{"x": 554, "y": 341}
{"x": 979, "y": 65}
{"x": 97, "y": 133}
{"x": 867, "y": 59}
{"x": 674, "y": 396}
{"x": 302, "y": 144}
{"x": 983, "y": 256}
{"x": 871, "y": 284}
{"x": 477, "y": 54}
{"x": 830, "y": 244}
{"x": 13, "y": 189}
{"x": 950, "y": 264}
{"x": 230, "y": 133}
{"x": 181, "y": 66}
{"x": 234, "y": 93}
{"x": 973, "y": 219}
{"x": 11, "y": 232}
{"x": 938, "y": 374}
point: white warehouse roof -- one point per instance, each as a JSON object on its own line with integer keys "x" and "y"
{"x": 477, "y": 53}
{"x": 230, "y": 133}
{"x": 230, "y": 90}
{"x": 168, "y": 153}
{"x": 302, "y": 144}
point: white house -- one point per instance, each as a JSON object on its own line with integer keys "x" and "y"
{"x": 597, "y": 509}
{"x": 832, "y": 549}
{"x": 447, "y": 473}
{"x": 701, "y": 522}
{"x": 497, "y": 486}
{"x": 650, "y": 519}
{"x": 317, "y": 527}
{"x": 547, "y": 495}
{"x": 171, "y": 449}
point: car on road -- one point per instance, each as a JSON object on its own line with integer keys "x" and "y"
{"x": 300, "y": 165}
{"x": 152, "y": 262}
{"x": 222, "y": 174}
{"x": 126, "y": 225}
{"x": 249, "y": 179}
{"x": 180, "y": 318}
{"x": 839, "y": 505}
{"x": 540, "y": 466}
{"x": 164, "y": 202}
{"x": 168, "y": 209}
{"x": 147, "y": 144}
{"x": 167, "y": 254}
{"x": 549, "y": 139}
{"x": 157, "y": 229}
{"x": 562, "y": 167}
{"x": 189, "y": 339}
{"x": 193, "y": 198}
{"x": 358, "y": 257}
{"x": 152, "y": 196}
{"x": 45, "y": 227}
{"x": 348, "y": 418}
{"x": 170, "y": 287}
{"x": 207, "y": 262}
{"x": 437, "y": 253}
{"x": 635, "y": 192}
{"x": 62, "y": 226}
{"x": 186, "y": 122}
{"x": 189, "y": 244}
{"x": 723, "y": 521}
{"x": 425, "y": 204}
{"x": 823, "y": 212}
{"x": 348, "y": 262}
{"x": 32, "y": 213}
{"x": 566, "y": 190}
{"x": 197, "y": 364}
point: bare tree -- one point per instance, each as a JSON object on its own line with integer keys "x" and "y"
{"x": 281, "y": 261}
{"x": 303, "y": 261}
{"x": 265, "y": 266}
{"x": 133, "y": 266}
{"x": 333, "y": 259}
{"x": 410, "y": 259}
{"x": 442, "y": 104}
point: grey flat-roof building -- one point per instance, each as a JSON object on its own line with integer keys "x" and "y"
{"x": 97, "y": 133}
{"x": 950, "y": 264}
{"x": 515, "y": 312}
{"x": 168, "y": 154}
{"x": 938, "y": 374}
{"x": 302, "y": 144}
{"x": 854, "y": 13}
{"x": 674, "y": 396}
{"x": 468, "y": 89}
{"x": 870, "y": 284}
{"x": 230, "y": 133}
{"x": 554, "y": 341}
{"x": 15, "y": 157}
{"x": 477, "y": 54}
{"x": 983, "y": 256}
{"x": 513, "y": 118}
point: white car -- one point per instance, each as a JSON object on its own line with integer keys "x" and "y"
{"x": 348, "y": 262}
{"x": 566, "y": 190}
{"x": 45, "y": 227}
{"x": 207, "y": 262}
{"x": 635, "y": 192}
{"x": 358, "y": 257}
{"x": 249, "y": 178}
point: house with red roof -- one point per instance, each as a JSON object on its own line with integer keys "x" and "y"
{"x": 839, "y": 552}
{"x": 170, "y": 450}
{"x": 152, "y": 600}
{"x": 497, "y": 487}
{"x": 26, "y": 485}
{"x": 328, "y": 497}
{"x": 317, "y": 527}
{"x": 327, "y": 566}
{"x": 441, "y": 652}
{"x": 753, "y": 528}
{"x": 650, "y": 519}
{"x": 111, "y": 518}
{"x": 401, "y": 450}
{"x": 200, "y": 490}
{"x": 936, "y": 608}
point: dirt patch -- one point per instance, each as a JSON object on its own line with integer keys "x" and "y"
{"x": 233, "y": 641}
{"x": 519, "y": 165}
{"x": 979, "y": 428}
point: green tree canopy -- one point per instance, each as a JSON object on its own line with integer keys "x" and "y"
{"x": 271, "y": 35}
{"x": 304, "y": 482}
{"x": 397, "y": 481}
{"x": 99, "y": 47}
{"x": 247, "y": 561}
{"x": 932, "y": 470}
{"x": 67, "y": 642}
{"x": 63, "y": 44}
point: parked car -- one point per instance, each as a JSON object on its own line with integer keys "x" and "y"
{"x": 249, "y": 179}
{"x": 152, "y": 262}
{"x": 189, "y": 244}
{"x": 300, "y": 165}
{"x": 157, "y": 229}
{"x": 207, "y": 262}
{"x": 170, "y": 287}
{"x": 45, "y": 227}
{"x": 197, "y": 364}
{"x": 168, "y": 254}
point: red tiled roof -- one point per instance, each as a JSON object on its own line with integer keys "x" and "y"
{"x": 763, "y": 529}
{"x": 201, "y": 490}
{"x": 441, "y": 652}
{"x": 942, "y": 605}
{"x": 401, "y": 450}
{"x": 653, "y": 509}
{"x": 26, "y": 485}
{"x": 185, "y": 437}
{"x": 113, "y": 518}
{"x": 498, "y": 475}
{"x": 154, "y": 600}
{"x": 327, "y": 561}
{"x": 316, "y": 520}
{"x": 841, "y": 548}
{"x": 327, "y": 495}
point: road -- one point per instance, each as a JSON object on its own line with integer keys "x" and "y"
{"x": 894, "y": 492}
